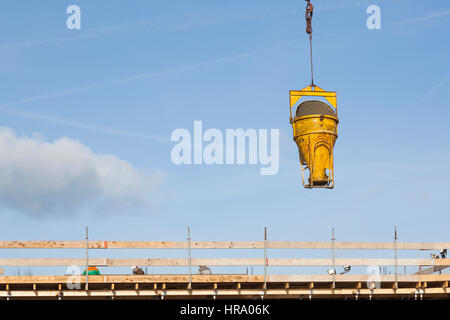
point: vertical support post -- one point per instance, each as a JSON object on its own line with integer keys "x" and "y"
{"x": 87, "y": 259}
{"x": 333, "y": 267}
{"x": 189, "y": 257}
{"x": 396, "y": 257}
{"x": 265, "y": 258}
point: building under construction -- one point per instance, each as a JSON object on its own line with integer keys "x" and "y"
{"x": 314, "y": 124}
{"x": 429, "y": 282}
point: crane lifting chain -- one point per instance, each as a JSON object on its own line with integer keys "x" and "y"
{"x": 308, "y": 17}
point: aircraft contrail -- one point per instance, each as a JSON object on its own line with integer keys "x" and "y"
{"x": 61, "y": 93}
{"x": 6, "y": 108}
{"x": 433, "y": 90}
{"x": 80, "y": 125}
{"x": 428, "y": 16}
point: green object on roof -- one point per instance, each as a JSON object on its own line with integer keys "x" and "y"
{"x": 93, "y": 271}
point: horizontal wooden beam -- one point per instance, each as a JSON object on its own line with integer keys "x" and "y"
{"x": 221, "y": 245}
{"x": 355, "y": 278}
{"x": 227, "y": 278}
{"x": 151, "y": 278}
{"x": 228, "y": 293}
{"x": 104, "y": 262}
{"x": 433, "y": 269}
{"x": 52, "y": 262}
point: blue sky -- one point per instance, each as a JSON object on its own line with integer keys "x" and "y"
{"x": 136, "y": 71}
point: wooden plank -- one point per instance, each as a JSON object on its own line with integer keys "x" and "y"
{"x": 222, "y": 245}
{"x": 354, "y": 278}
{"x": 226, "y": 278}
{"x": 178, "y": 278}
{"x": 247, "y": 293}
{"x": 50, "y": 244}
{"x": 432, "y": 269}
{"x": 53, "y": 262}
{"x": 103, "y": 262}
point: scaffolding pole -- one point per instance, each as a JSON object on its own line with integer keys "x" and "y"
{"x": 189, "y": 258}
{"x": 265, "y": 258}
{"x": 333, "y": 267}
{"x": 396, "y": 257}
{"x": 87, "y": 259}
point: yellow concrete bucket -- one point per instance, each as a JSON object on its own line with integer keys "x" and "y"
{"x": 315, "y": 133}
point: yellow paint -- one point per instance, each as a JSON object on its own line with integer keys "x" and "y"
{"x": 315, "y": 136}
{"x": 309, "y": 91}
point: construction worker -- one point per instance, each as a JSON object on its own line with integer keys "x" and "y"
{"x": 93, "y": 271}
{"x": 203, "y": 270}
{"x": 138, "y": 271}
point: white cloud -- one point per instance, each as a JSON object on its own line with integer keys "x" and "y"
{"x": 41, "y": 178}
